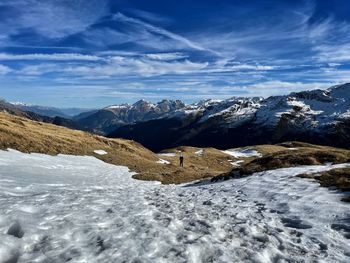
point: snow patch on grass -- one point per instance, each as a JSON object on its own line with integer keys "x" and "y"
{"x": 167, "y": 154}
{"x": 242, "y": 153}
{"x": 199, "y": 152}
{"x": 100, "y": 152}
{"x": 236, "y": 163}
{"x": 162, "y": 161}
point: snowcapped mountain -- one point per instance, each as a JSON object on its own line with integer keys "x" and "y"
{"x": 108, "y": 119}
{"x": 317, "y": 116}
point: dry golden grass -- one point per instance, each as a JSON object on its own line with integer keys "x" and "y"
{"x": 213, "y": 162}
{"x": 31, "y": 136}
{"x": 302, "y": 156}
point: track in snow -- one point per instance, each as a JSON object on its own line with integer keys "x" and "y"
{"x": 79, "y": 209}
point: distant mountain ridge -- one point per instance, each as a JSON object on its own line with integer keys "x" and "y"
{"x": 20, "y": 111}
{"x": 108, "y": 119}
{"x": 316, "y": 116}
{"x": 51, "y": 111}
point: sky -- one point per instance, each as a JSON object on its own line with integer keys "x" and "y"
{"x": 93, "y": 53}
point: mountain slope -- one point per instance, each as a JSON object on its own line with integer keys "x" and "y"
{"x": 108, "y": 119}
{"x": 317, "y": 116}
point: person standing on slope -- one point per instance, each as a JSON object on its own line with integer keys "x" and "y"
{"x": 181, "y": 158}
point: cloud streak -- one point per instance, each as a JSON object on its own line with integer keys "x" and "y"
{"x": 158, "y": 30}
{"x": 52, "y": 57}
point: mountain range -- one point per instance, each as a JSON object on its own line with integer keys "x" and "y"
{"x": 315, "y": 116}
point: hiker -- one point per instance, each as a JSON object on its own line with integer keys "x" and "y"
{"x": 181, "y": 160}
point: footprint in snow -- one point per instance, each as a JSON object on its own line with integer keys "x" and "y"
{"x": 295, "y": 223}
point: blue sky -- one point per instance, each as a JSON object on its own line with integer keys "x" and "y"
{"x": 91, "y": 53}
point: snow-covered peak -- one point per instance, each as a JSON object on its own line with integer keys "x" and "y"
{"x": 316, "y": 95}
{"x": 121, "y": 106}
{"x": 207, "y": 102}
{"x": 315, "y": 108}
{"x": 341, "y": 92}
{"x": 18, "y": 103}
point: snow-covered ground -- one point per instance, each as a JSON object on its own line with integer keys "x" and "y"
{"x": 242, "y": 153}
{"x": 79, "y": 209}
{"x": 100, "y": 152}
{"x": 236, "y": 163}
{"x": 167, "y": 154}
{"x": 199, "y": 153}
{"x": 162, "y": 161}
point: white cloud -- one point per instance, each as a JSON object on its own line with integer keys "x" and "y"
{"x": 117, "y": 66}
{"x": 4, "y": 70}
{"x": 239, "y": 67}
{"x": 50, "y": 18}
{"x": 333, "y": 53}
{"x": 289, "y": 33}
{"x": 158, "y": 30}
{"x": 274, "y": 87}
{"x": 166, "y": 56}
{"x": 56, "y": 56}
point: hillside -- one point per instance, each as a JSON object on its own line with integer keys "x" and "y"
{"x": 31, "y": 136}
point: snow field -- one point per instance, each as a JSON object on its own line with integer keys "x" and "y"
{"x": 79, "y": 209}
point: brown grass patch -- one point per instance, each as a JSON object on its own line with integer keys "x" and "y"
{"x": 211, "y": 163}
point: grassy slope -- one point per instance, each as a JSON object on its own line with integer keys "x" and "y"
{"x": 30, "y": 136}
